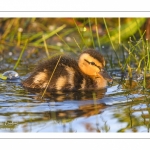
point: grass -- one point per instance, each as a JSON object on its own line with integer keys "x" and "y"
{"x": 17, "y": 63}
{"x": 83, "y": 40}
{"x": 75, "y": 34}
{"x": 39, "y": 42}
{"x": 97, "y": 35}
{"x": 45, "y": 45}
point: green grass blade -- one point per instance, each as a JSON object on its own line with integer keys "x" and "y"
{"x": 63, "y": 41}
{"x": 80, "y": 33}
{"x": 51, "y": 34}
{"x": 17, "y": 63}
{"x": 127, "y": 30}
{"x": 45, "y": 45}
{"x": 91, "y": 32}
{"x": 2, "y": 77}
{"x": 77, "y": 44}
{"x": 119, "y": 28}
{"x": 112, "y": 43}
{"x": 99, "y": 44}
{"x": 109, "y": 34}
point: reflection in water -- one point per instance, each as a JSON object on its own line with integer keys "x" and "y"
{"x": 59, "y": 108}
{"x": 78, "y": 104}
{"x": 120, "y": 108}
{"x": 71, "y": 95}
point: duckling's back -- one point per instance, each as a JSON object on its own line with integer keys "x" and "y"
{"x": 58, "y": 73}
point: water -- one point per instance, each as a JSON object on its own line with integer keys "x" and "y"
{"x": 119, "y": 108}
{"x": 111, "y": 110}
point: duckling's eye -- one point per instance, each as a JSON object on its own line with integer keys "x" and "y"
{"x": 92, "y": 63}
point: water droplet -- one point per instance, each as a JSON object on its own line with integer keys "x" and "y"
{"x": 11, "y": 75}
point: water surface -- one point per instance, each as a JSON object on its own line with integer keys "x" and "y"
{"x": 118, "y": 108}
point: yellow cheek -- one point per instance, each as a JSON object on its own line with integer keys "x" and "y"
{"x": 97, "y": 70}
{"x": 92, "y": 70}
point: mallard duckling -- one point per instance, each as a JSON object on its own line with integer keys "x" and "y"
{"x": 65, "y": 74}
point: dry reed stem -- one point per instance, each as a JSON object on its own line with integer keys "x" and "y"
{"x": 51, "y": 77}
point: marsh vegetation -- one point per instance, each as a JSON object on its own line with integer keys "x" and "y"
{"x": 122, "y": 107}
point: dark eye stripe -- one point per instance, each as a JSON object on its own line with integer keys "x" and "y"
{"x": 92, "y": 63}
{"x": 87, "y": 61}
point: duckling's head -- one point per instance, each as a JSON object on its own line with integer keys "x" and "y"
{"x": 92, "y": 63}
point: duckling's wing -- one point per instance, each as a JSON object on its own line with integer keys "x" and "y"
{"x": 67, "y": 75}
{"x": 54, "y": 75}
{"x": 41, "y": 75}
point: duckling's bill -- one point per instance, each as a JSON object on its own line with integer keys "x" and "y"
{"x": 106, "y": 76}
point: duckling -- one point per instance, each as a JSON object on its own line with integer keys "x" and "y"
{"x": 62, "y": 73}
